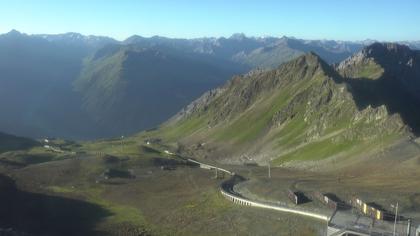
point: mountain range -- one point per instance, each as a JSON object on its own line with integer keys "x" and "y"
{"x": 353, "y": 122}
{"x": 307, "y": 111}
{"x": 84, "y": 87}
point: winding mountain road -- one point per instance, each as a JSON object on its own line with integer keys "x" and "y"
{"x": 228, "y": 191}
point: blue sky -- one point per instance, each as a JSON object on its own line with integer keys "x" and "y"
{"x": 390, "y": 20}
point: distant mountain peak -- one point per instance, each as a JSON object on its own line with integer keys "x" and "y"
{"x": 73, "y": 34}
{"x": 14, "y": 32}
{"x": 238, "y": 36}
{"x": 133, "y": 39}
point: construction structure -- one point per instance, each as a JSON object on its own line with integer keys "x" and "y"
{"x": 296, "y": 197}
{"x": 330, "y": 200}
{"x": 371, "y": 209}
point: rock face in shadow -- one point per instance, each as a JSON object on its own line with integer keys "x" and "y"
{"x": 39, "y": 214}
{"x": 386, "y": 75}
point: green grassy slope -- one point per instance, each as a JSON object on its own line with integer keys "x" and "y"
{"x": 302, "y": 111}
{"x": 128, "y": 88}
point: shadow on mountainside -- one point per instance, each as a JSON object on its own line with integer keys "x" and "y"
{"x": 387, "y": 91}
{"x": 398, "y": 88}
{"x": 41, "y": 214}
{"x": 390, "y": 90}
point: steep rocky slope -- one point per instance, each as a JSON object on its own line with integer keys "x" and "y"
{"x": 301, "y": 111}
{"x": 386, "y": 75}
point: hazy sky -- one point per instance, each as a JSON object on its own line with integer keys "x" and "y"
{"x": 311, "y": 19}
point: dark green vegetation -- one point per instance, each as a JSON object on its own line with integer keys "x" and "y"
{"x": 129, "y": 88}
{"x": 36, "y": 94}
{"x": 77, "y": 196}
{"x": 341, "y": 121}
{"x": 75, "y": 193}
{"x": 305, "y": 114}
{"x": 16, "y": 152}
{"x": 305, "y": 111}
{"x": 84, "y": 87}
{"x": 11, "y": 143}
{"x": 41, "y": 214}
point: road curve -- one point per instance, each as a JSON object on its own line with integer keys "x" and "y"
{"x": 226, "y": 188}
{"x": 228, "y": 192}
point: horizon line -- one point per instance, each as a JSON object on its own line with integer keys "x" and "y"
{"x": 209, "y": 37}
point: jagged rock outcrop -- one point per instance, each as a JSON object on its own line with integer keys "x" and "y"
{"x": 386, "y": 74}
{"x": 303, "y": 110}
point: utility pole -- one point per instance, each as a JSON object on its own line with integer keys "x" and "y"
{"x": 328, "y": 226}
{"x": 371, "y": 226}
{"x": 408, "y": 227}
{"x": 395, "y": 220}
{"x": 269, "y": 170}
{"x": 122, "y": 144}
